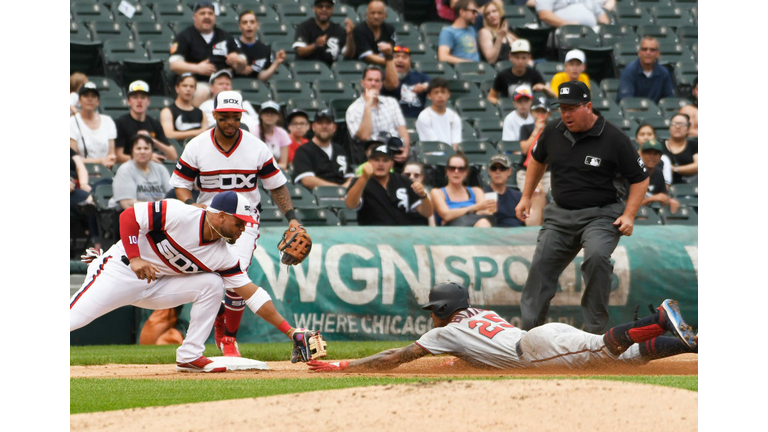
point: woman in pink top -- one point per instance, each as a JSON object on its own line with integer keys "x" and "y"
{"x": 276, "y": 138}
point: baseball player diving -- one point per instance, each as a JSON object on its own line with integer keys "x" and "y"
{"x": 225, "y": 158}
{"x": 485, "y": 340}
{"x": 170, "y": 254}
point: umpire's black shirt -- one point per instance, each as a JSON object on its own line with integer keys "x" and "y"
{"x": 588, "y": 168}
{"x": 191, "y": 45}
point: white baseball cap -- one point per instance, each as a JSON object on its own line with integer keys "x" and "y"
{"x": 269, "y": 105}
{"x": 228, "y": 101}
{"x": 575, "y": 54}
{"x": 520, "y": 45}
{"x": 218, "y": 74}
{"x": 138, "y": 86}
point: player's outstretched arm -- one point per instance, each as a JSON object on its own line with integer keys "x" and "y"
{"x": 384, "y": 360}
{"x": 282, "y": 199}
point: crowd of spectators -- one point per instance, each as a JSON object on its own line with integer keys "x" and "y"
{"x": 386, "y": 183}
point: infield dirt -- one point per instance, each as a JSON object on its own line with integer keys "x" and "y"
{"x": 540, "y": 405}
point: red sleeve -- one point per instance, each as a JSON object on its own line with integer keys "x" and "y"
{"x": 129, "y": 233}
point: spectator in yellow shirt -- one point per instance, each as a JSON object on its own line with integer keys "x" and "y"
{"x": 575, "y": 64}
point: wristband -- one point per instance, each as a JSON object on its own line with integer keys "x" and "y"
{"x": 290, "y": 215}
{"x": 189, "y": 201}
{"x": 389, "y": 57}
{"x": 284, "y": 327}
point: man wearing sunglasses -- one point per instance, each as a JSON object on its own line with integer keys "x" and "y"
{"x": 590, "y": 159}
{"x": 499, "y": 169}
{"x": 321, "y": 39}
{"x": 458, "y": 42}
{"x": 404, "y": 84}
{"x": 645, "y": 77}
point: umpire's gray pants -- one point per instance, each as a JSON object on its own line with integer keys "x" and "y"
{"x": 563, "y": 234}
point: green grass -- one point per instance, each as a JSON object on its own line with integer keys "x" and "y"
{"x": 98, "y": 394}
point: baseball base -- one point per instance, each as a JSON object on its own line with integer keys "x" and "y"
{"x": 240, "y": 363}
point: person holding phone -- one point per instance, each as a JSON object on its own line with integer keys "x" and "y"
{"x": 495, "y": 38}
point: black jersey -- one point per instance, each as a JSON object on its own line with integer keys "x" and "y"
{"x": 311, "y": 160}
{"x": 191, "y": 45}
{"x": 307, "y": 33}
{"x": 260, "y": 55}
{"x": 506, "y": 82}
{"x": 588, "y": 168}
{"x": 184, "y": 120}
{"x": 127, "y": 127}
{"x": 388, "y": 206}
{"x": 365, "y": 42}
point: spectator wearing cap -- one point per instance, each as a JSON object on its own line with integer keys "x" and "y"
{"x": 274, "y": 136}
{"x": 92, "y": 135}
{"x": 500, "y": 168}
{"x": 506, "y": 81}
{"x": 373, "y": 113}
{"x": 651, "y": 151}
{"x": 137, "y": 121}
{"x": 203, "y": 48}
{"x": 521, "y": 99}
{"x": 76, "y": 80}
{"x": 587, "y": 155}
{"x": 319, "y": 38}
{"x": 457, "y": 43}
{"x": 262, "y": 62}
{"x": 645, "y": 77}
{"x": 182, "y": 120}
{"x": 382, "y": 197}
{"x": 321, "y": 162}
{"x": 222, "y": 81}
{"x": 692, "y": 110}
{"x": 437, "y": 122}
{"x": 373, "y": 34}
{"x": 575, "y": 64}
{"x": 529, "y": 134}
{"x": 558, "y": 13}
{"x": 405, "y": 84}
{"x": 298, "y": 125}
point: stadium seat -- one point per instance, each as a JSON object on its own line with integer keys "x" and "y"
{"x": 612, "y": 33}
{"x": 106, "y": 30}
{"x": 96, "y": 172}
{"x": 141, "y": 14}
{"x": 310, "y": 106}
{"x": 606, "y": 106}
{"x": 686, "y": 194}
{"x": 684, "y": 216}
{"x": 687, "y": 34}
{"x": 660, "y": 32}
{"x": 317, "y": 217}
{"x": 343, "y": 11}
{"x": 271, "y": 218}
{"x": 673, "y": 52}
{"x": 490, "y": 130}
{"x": 349, "y": 71}
{"x": 405, "y": 28}
{"x": 327, "y": 89}
{"x": 476, "y": 108}
{"x": 330, "y": 196}
{"x": 672, "y": 16}
{"x": 685, "y": 72}
{"x": 86, "y": 57}
{"x": 646, "y": 216}
{"x": 90, "y": 11}
{"x": 423, "y": 52}
{"x": 348, "y": 217}
{"x": 671, "y": 105}
{"x": 431, "y": 29}
{"x": 519, "y": 16}
{"x": 512, "y": 150}
{"x": 625, "y": 52}
{"x": 481, "y": 147}
{"x": 113, "y": 106}
{"x": 538, "y": 37}
{"x": 116, "y": 50}
{"x": 172, "y": 13}
{"x": 548, "y": 69}
{"x": 252, "y": 89}
{"x": 308, "y": 71}
{"x": 147, "y": 70}
{"x": 158, "y": 47}
{"x": 475, "y": 72}
{"x": 79, "y": 32}
{"x": 266, "y": 200}
{"x": 610, "y": 87}
{"x": 572, "y": 36}
{"x": 339, "y": 108}
{"x": 272, "y": 30}
{"x": 107, "y": 87}
{"x": 439, "y": 148}
{"x": 230, "y": 26}
{"x": 601, "y": 63}
{"x": 468, "y": 131}
{"x": 393, "y": 16}
{"x": 462, "y": 88}
{"x": 637, "y": 107}
{"x": 435, "y": 69}
{"x": 285, "y": 89}
{"x": 629, "y": 14}
{"x": 289, "y": 8}
{"x": 301, "y": 197}
{"x": 143, "y": 31}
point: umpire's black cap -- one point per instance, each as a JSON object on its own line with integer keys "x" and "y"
{"x": 573, "y": 93}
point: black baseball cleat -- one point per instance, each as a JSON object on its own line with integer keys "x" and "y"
{"x": 672, "y": 320}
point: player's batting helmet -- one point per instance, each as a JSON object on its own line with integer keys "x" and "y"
{"x": 446, "y": 298}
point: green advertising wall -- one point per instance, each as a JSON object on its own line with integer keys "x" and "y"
{"x": 367, "y": 283}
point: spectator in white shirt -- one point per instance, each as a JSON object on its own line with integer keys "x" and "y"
{"x": 438, "y": 122}
{"x": 522, "y": 99}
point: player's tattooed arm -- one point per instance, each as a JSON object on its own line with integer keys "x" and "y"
{"x": 282, "y": 199}
{"x": 388, "y": 359}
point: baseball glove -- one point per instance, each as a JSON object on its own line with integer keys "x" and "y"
{"x": 307, "y": 345}
{"x": 295, "y": 245}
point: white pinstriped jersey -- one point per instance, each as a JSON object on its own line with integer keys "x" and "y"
{"x": 479, "y": 337}
{"x": 213, "y": 170}
{"x": 171, "y": 237}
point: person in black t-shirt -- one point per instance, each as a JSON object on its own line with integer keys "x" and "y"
{"x": 382, "y": 197}
{"x": 137, "y": 121}
{"x": 321, "y": 39}
{"x": 262, "y": 63}
{"x": 368, "y": 35}
{"x": 321, "y": 162}
{"x": 521, "y": 73}
{"x": 182, "y": 120}
{"x": 651, "y": 152}
{"x": 588, "y": 157}
{"x": 203, "y": 49}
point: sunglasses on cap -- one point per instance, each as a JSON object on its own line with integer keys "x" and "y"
{"x": 403, "y": 49}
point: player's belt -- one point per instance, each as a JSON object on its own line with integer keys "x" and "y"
{"x": 518, "y": 349}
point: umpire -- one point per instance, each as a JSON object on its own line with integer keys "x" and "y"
{"x": 589, "y": 159}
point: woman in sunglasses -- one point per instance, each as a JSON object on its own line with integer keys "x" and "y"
{"x": 459, "y": 205}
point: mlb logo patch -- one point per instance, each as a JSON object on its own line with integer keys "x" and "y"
{"x": 592, "y": 161}
{"x": 565, "y": 90}
{"x": 642, "y": 165}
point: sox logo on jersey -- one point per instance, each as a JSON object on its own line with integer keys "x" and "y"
{"x": 224, "y": 181}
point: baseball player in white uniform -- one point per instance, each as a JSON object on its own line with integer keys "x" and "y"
{"x": 226, "y": 158}
{"x": 485, "y": 340}
{"x": 170, "y": 254}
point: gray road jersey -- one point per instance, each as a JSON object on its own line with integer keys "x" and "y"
{"x": 479, "y": 337}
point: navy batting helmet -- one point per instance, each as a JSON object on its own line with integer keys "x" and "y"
{"x": 446, "y": 298}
